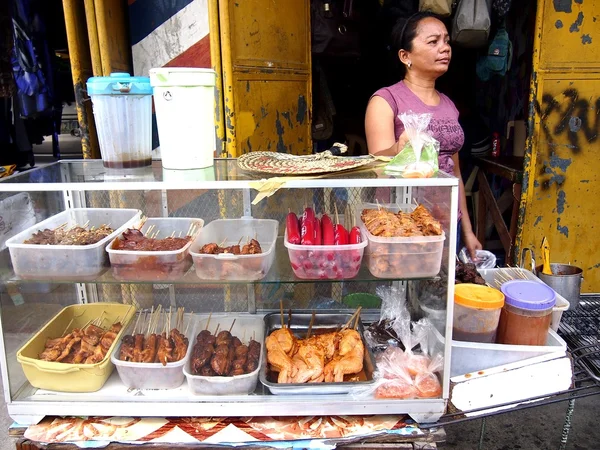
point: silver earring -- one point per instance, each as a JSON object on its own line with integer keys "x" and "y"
{"x": 409, "y": 64}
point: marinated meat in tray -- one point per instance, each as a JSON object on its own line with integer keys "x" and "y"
{"x": 153, "y": 347}
{"x": 87, "y": 345}
{"x": 222, "y": 354}
{"x": 75, "y": 235}
{"x": 333, "y": 356}
{"x": 134, "y": 239}
{"x": 251, "y": 248}
{"x": 384, "y": 223}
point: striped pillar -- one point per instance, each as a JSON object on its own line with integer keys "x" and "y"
{"x": 168, "y": 33}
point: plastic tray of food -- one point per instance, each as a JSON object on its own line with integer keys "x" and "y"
{"x": 67, "y": 377}
{"x": 229, "y": 233}
{"x": 470, "y": 357}
{"x": 161, "y": 264}
{"x": 36, "y": 261}
{"x": 323, "y": 323}
{"x": 495, "y": 277}
{"x": 245, "y": 328}
{"x": 401, "y": 257}
{"x": 139, "y": 375}
{"x": 325, "y": 262}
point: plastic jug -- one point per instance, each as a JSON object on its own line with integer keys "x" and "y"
{"x": 184, "y": 100}
{"x": 122, "y": 107}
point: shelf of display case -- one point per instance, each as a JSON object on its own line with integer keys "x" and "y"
{"x": 280, "y": 273}
{"x": 91, "y": 175}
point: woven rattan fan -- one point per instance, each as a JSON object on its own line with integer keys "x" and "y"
{"x": 286, "y": 164}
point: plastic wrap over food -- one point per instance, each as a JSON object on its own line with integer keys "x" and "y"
{"x": 393, "y": 313}
{"x": 483, "y": 259}
{"x": 419, "y": 156}
{"x": 408, "y": 373}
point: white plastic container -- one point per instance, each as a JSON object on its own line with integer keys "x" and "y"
{"x": 184, "y": 99}
{"x": 325, "y": 262}
{"x": 154, "y": 375}
{"x": 122, "y": 107}
{"x": 469, "y": 357}
{"x": 246, "y": 327}
{"x": 68, "y": 261}
{"x": 401, "y": 257}
{"x": 156, "y": 265}
{"x": 227, "y": 266}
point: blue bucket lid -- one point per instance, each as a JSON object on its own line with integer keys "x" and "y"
{"x": 528, "y": 294}
{"x": 119, "y": 84}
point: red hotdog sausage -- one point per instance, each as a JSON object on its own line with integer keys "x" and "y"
{"x": 307, "y": 232}
{"x": 327, "y": 230}
{"x": 293, "y": 233}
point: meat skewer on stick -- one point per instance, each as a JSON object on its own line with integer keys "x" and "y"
{"x": 310, "y": 325}
{"x": 232, "y": 324}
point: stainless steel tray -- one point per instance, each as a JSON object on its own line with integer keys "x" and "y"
{"x": 299, "y": 325}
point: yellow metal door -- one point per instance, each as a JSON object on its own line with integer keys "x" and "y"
{"x": 265, "y": 56}
{"x": 561, "y": 188}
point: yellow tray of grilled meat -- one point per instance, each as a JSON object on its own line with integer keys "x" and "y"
{"x": 71, "y": 353}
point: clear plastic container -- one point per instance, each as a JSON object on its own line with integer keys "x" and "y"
{"x": 154, "y": 375}
{"x": 134, "y": 265}
{"x": 64, "y": 377}
{"x": 33, "y": 261}
{"x": 325, "y": 262}
{"x": 246, "y": 327}
{"x": 122, "y": 107}
{"x": 527, "y": 313}
{"x": 497, "y": 276}
{"x": 401, "y": 257}
{"x": 227, "y": 266}
{"x": 476, "y": 312}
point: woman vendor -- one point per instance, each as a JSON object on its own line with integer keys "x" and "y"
{"x": 423, "y": 47}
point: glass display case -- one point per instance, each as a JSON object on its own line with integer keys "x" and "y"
{"x": 220, "y": 192}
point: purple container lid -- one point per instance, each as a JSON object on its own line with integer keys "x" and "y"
{"x": 528, "y": 294}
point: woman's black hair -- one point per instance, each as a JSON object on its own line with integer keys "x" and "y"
{"x": 405, "y": 30}
{"x": 404, "y": 33}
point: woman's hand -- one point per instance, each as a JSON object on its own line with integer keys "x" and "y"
{"x": 401, "y": 142}
{"x": 472, "y": 244}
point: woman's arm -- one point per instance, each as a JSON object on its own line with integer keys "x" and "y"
{"x": 379, "y": 128}
{"x": 469, "y": 238}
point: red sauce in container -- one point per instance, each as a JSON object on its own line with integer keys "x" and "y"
{"x": 527, "y": 313}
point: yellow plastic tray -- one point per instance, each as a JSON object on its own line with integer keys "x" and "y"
{"x": 57, "y": 376}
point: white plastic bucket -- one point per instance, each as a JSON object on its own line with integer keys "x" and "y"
{"x": 184, "y": 101}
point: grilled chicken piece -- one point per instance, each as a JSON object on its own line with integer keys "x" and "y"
{"x": 426, "y": 222}
{"x": 350, "y": 357}
{"x": 280, "y": 344}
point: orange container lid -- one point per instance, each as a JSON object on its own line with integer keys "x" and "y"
{"x": 478, "y": 296}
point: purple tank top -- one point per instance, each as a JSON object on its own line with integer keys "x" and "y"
{"x": 444, "y": 124}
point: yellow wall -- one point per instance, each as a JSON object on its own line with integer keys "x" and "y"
{"x": 560, "y": 189}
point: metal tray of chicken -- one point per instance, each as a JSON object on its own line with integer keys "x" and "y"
{"x": 323, "y": 323}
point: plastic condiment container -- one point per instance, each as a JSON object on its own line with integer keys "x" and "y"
{"x": 476, "y": 312}
{"x": 526, "y": 314}
{"x": 184, "y": 99}
{"x": 122, "y": 107}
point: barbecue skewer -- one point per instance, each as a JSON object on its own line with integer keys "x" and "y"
{"x": 232, "y": 324}
{"x": 310, "y": 325}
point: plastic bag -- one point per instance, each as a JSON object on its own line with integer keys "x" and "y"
{"x": 394, "y": 311}
{"x": 409, "y": 373}
{"x": 485, "y": 259}
{"x": 419, "y": 157}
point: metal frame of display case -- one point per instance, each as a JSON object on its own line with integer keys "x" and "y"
{"x": 75, "y": 178}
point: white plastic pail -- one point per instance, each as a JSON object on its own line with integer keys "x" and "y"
{"x": 184, "y": 102}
